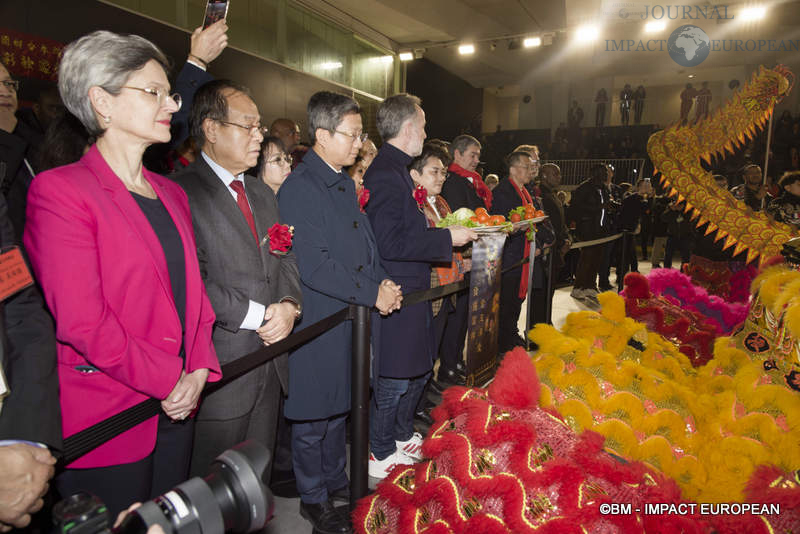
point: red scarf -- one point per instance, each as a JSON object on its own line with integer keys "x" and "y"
{"x": 477, "y": 183}
{"x": 526, "y": 199}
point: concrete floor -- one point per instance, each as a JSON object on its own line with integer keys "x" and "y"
{"x": 287, "y": 516}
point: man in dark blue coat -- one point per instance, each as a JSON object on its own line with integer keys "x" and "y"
{"x": 511, "y": 193}
{"x": 339, "y": 264}
{"x": 407, "y": 247}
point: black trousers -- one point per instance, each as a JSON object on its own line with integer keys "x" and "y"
{"x": 453, "y": 330}
{"x": 510, "y": 308}
{"x": 119, "y": 486}
{"x": 588, "y": 266}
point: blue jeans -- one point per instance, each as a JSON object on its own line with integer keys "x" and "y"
{"x": 392, "y": 412}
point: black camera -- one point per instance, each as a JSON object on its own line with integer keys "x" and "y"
{"x": 231, "y": 498}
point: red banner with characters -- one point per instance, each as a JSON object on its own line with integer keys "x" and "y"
{"x": 30, "y": 56}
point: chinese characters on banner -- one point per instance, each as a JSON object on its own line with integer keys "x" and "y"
{"x": 484, "y": 306}
{"x": 30, "y": 56}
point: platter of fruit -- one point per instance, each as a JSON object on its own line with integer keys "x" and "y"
{"x": 479, "y": 220}
{"x": 523, "y": 216}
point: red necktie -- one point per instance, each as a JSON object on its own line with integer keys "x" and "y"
{"x": 241, "y": 200}
{"x": 523, "y": 283}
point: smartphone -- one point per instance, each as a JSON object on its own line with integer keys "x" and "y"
{"x": 215, "y": 10}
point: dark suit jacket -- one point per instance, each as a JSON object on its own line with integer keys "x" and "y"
{"x": 16, "y": 179}
{"x": 339, "y": 265}
{"x": 28, "y": 358}
{"x": 459, "y": 193}
{"x": 236, "y": 271}
{"x": 407, "y": 248}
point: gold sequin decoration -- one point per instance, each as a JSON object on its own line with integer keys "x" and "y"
{"x": 485, "y": 461}
{"x": 377, "y": 522}
{"x": 537, "y": 507}
{"x": 539, "y": 457}
{"x": 471, "y": 506}
{"x": 406, "y": 481}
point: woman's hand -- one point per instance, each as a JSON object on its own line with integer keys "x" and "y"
{"x": 184, "y": 396}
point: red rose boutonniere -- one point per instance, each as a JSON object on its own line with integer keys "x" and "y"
{"x": 363, "y": 198}
{"x": 421, "y": 196}
{"x": 279, "y": 237}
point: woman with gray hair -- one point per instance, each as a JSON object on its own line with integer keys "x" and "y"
{"x": 113, "y": 248}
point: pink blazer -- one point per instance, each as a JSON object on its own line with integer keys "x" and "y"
{"x": 105, "y": 278}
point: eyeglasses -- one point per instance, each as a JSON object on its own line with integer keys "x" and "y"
{"x": 528, "y": 168}
{"x": 11, "y": 85}
{"x": 263, "y": 130}
{"x": 278, "y": 159}
{"x": 160, "y": 94}
{"x": 360, "y": 136}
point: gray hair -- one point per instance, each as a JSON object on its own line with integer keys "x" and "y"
{"x": 462, "y": 143}
{"x": 393, "y": 112}
{"x": 326, "y": 110}
{"x": 103, "y": 59}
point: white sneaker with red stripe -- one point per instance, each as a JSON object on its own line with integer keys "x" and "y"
{"x": 381, "y": 468}
{"x": 411, "y": 447}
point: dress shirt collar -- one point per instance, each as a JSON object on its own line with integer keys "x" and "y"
{"x": 222, "y": 174}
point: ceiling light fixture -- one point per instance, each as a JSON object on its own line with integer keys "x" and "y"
{"x": 753, "y": 13}
{"x": 466, "y": 49}
{"x": 381, "y": 59}
{"x": 331, "y": 65}
{"x": 530, "y": 42}
{"x": 655, "y": 26}
{"x": 406, "y": 56}
{"x": 586, "y": 34}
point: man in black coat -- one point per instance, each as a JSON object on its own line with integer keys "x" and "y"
{"x": 509, "y": 194}
{"x": 590, "y": 204}
{"x": 550, "y": 182}
{"x": 463, "y": 188}
{"x": 30, "y": 417}
{"x": 407, "y": 247}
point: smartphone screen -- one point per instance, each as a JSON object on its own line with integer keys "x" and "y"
{"x": 215, "y": 10}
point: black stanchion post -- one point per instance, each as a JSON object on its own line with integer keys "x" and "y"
{"x": 624, "y": 264}
{"x": 359, "y": 404}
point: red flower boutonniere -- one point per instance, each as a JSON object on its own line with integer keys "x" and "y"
{"x": 363, "y": 198}
{"x": 279, "y": 237}
{"x": 421, "y": 196}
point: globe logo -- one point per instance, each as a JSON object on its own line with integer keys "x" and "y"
{"x": 688, "y": 46}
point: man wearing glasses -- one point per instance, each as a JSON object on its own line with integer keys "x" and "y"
{"x": 523, "y": 167}
{"x": 339, "y": 265}
{"x": 16, "y": 144}
{"x": 255, "y": 294}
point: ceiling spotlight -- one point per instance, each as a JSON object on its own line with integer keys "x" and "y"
{"x": 655, "y": 26}
{"x": 753, "y": 13}
{"x": 466, "y": 49}
{"x": 530, "y": 42}
{"x": 406, "y": 56}
{"x": 691, "y": 76}
{"x": 587, "y": 34}
{"x": 331, "y": 65}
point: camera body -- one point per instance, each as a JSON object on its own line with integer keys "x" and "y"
{"x": 232, "y": 497}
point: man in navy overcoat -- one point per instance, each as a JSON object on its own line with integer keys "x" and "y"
{"x": 339, "y": 265}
